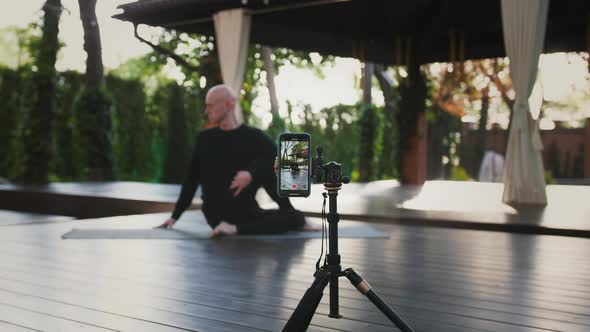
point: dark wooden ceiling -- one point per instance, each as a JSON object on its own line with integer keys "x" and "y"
{"x": 375, "y": 30}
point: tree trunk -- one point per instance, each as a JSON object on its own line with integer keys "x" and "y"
{"x": 386, "y": 86}
{"x": 93, "y": 104}
{"x": 37, "y": 140}
{"x": 92, "y": 45}
{"x": 368, "y": 82}
{"x": 388, "y": 157}
{"x": 481, "y": 132}
{"x": 368, "y": 127}
{"x": 509, "y": 102}
{"x": 270, "y": 79}
{"x": 177, "y": 148}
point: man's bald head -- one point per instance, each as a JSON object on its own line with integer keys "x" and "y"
{"x": 220, "y": 103}
{"x": 221, "y": 93}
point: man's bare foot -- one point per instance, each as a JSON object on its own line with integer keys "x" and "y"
{"x": 223, "y": 229}
{"x": 311, "y": 227}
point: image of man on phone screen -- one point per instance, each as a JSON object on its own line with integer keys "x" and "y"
{"x": 294, "y": 177}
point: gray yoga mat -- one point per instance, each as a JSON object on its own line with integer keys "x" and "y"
{"x": 346, "y": 229}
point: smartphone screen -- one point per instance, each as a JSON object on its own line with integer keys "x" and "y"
{"x": 294, "y": 165}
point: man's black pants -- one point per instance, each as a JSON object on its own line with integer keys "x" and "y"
{"x": 268, "y": 222}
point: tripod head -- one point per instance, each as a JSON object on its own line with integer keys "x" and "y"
{"x": 330, "y": 174}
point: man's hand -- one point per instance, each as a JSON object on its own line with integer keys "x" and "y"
{"x": 240, "y": 181}
{"x": 276, "y": 166}
{"x": 169, "y": 223}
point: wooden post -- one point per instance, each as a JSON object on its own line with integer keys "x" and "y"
{"x": 412, "y": 126}
{"x": 414, "y": 157}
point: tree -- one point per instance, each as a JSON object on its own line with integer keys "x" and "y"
{"x": 368, "y": 125}
{"x": 66, "y": 161}
{"x": 93, "y": 104}
{"x": 277, "y": 124}
{"x": 388, "y": 158}
{"x": 177, "y": 149}
{"x": 15, "y": 45}
{"x": 270, "y": 79}
{"x": 368, "y": 135}
{"x": 37, "y": 136}
{"x": 196, "y": 56}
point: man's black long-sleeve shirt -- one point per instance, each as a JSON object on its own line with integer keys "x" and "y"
{"x": 217, "y": 156}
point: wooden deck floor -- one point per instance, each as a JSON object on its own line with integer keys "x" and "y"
{"x": 439, "y": 279}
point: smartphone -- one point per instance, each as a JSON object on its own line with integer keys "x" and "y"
{"x": 294, "y": 165}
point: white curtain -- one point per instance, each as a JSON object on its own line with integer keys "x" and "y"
{"x": 232, "y": 35}
{"x": 523, "y": 23}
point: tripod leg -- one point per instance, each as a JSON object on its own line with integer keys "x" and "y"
{"x": 334, "y": 305}
{"x": 366, "y": 290}
{"x": 301, "y": 317}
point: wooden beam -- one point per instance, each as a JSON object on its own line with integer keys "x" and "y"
{"x": 258, "y": 11}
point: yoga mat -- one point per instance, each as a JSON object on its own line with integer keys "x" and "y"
{"x": 346, "y": 229}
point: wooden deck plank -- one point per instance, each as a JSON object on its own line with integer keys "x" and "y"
{"x": 8, "y": 327}
{"x": 306, "y": 285}
{"x": 493, "y": 286}
{"x": 208, "y": 306}
{"x": 42, "y": 322}
{"x": 568, "y": 290}
{"x": 433, "y": 307}
{"x": 54, "y": 306}
{"x": 440, "y": 280}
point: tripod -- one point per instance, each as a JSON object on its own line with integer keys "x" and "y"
{"x": 329, "y": 274}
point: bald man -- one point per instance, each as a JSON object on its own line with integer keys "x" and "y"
{"x": 230, "y": 162}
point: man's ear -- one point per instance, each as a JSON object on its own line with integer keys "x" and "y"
{"x": 230, "y": 106}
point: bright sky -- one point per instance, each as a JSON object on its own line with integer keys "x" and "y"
{"x": 117, "y": 39}
{"x": 560, "y": 73}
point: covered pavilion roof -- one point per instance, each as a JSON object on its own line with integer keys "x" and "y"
{"x": 373, "y": 30}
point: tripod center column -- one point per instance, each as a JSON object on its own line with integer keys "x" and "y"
{"x": 334, "y": 267}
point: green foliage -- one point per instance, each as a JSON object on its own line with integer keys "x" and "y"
{"x": 444, "y": 134}
{"x": 335, "y": 128}
{"x": 18, "y": 44}
{"x": 94, "y": 131}
{"x": 9, "y": 79}
{"x": 459, "y": 173}
{"x": 203, "y": 68}
{"x": 150, "y": 122}
{"x": 139, "y": 135}
{"x": 37, "y": 138}
{"x": 178, "y": 147}
{"x": 549, "y": 177}
{"x": 277, "y": 126}
{"x": 368, "y": 136}
{"x": 341, "y": 135}
{"x": 132, "y": 130}
{"x": 388, "y": 137}
{"x": 338, "y": 130}
{"x": 66, "y": 161}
